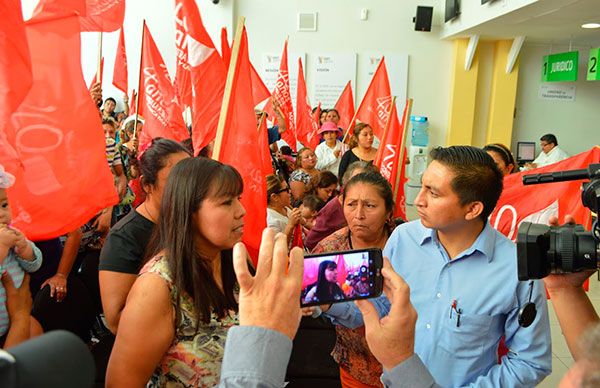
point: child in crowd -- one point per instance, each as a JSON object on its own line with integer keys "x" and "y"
{"x": 17, "y": 256}
{"x": 310, "y": 206}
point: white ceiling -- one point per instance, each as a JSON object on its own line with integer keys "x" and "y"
{"x": 546, "y": 21}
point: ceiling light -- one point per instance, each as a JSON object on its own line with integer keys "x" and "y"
{"x": 590, "y": 25}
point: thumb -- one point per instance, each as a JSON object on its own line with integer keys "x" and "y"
{"x": 369, "y": 313}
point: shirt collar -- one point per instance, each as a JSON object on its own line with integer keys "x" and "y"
{"x": 484, "y": 243}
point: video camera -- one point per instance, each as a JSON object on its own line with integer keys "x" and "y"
{"x": 543, "y": 249}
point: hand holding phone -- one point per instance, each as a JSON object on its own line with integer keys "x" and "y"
{"x": 341, "y": 276}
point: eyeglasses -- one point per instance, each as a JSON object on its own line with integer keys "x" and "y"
{"x": 287, "y": 189}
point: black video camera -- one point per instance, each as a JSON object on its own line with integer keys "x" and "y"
{"x": 544, "y": 250}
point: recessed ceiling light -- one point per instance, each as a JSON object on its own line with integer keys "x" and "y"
{"x": 590, "y": 25}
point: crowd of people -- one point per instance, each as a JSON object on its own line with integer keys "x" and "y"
{"x": 165, "y": 273}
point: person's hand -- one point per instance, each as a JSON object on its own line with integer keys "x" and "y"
{"x": 392, "y": 338}
{"x": 58, "y": 286}
{"x": 102, "y": 222}
{"x": 557, "y": 282}
{"x": 8, "y": 238}
{"x": 96, "y": 93}
{"x": 294, "y": 217}
{"x": 125, "y": 98}
{"x": 337, "y": 153}
{"x": 271, "y": 298}
{"x": 18, "y": 300}
{"x": 22, "y": 246}
{"x": 308, "y": 311}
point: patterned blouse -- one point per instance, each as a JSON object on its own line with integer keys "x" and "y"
{"x": 194, "y": 358}
{"x": 351, "y": 351}
{"x": 300, "y": 176}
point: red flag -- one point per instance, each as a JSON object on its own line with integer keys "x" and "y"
{"x": 15, "y": 68}
{"x": 306, "y": 127}
{"x": 62, "y": 162}
{"x": 388, "y": 157}
{"x": 207, "y": 73}
{"x": 260, "y": 92}
{"x": 94, "y": 15}
{"x": 317, "y": 115}
{"x": 282, "y": 96}
{"x": 263, "y": 146}
{"x": 297, "y": 237}
{"x": 536, "y": 203}
{"x": 400, "y": 200}
{"x": 345, "y": 107}
{"x": 240, "y": 135}
{"x": 158, "y": 103}
{"x": 132, "y": 102}
{"x": 120, "y": 69}
{"x": 183, "y": 78}
{"x": 95, "y": 79}
{"x": 225, "y": 49}
{"x": 375, "y": 107}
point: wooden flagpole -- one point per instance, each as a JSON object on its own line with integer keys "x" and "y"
{"x": 386, "y": 129}
{"x": 233, "y": 64}
{"x": 99, "y": 67}
{"x": 140, "y": 86}
{"x": 401, "y": 157}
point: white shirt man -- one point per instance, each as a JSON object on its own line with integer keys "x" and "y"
{"x": 550, "y": 154}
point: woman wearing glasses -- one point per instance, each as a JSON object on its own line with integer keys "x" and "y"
{"x": 280, "y": 216}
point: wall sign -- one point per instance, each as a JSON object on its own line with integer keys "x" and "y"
{"x": 560, "y": 67}
{"x": 593, "y": 73}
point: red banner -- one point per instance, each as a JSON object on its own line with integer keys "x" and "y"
{"x": 283, "y": 97}
{"x": 95, "y": 79}
{"x": 239, "y": 136}
{"x": 63, "y": 178}
{"x": 103, "y": 15}
{"x": 536, "y": 203}
{"x": 306, "y": 127}
{"x": 120, "y": 69}
{"x": 158, "y": 103}
{"x": 375, "y": 107}
{"x": 345, "y": 107}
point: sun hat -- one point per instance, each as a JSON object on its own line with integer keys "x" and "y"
{"x": 328, "y": 126}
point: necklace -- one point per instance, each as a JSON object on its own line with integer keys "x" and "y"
{"x": 145, "y": 204}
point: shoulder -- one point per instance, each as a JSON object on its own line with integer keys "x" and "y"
{"x": 412, "y": 231}
{"x": 336, "y": 241}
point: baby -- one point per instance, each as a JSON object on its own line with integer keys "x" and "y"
{"x": 17, "y": 254}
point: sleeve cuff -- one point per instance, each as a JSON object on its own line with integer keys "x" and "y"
{"x": 410, "y": 373}
{"x": 256, "y": 353}
{"x": 33, "y": 265}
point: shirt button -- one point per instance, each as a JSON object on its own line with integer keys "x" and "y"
{"x": 439, "y": 295}
{"x": 428, "y": 326}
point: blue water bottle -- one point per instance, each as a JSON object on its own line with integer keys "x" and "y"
{"x": 420, "y": 133}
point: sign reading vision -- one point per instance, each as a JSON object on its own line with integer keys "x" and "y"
{"x": 560, "y": 67}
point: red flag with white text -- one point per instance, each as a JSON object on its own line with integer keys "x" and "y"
{"x": 158, "y": 102}
{"x": 306, "y": 127}
{"x": 120, "y": 69}
{"x": 345, "y": 107}
{"x": 61, "y": 162}
{"x": 537, "y": 203}
{"x": 241, "y": 135}
{"x": 375, "y": 106}
{"x": 207, "y": 71}
{"x": 283, "y": 99}
{"x": 94, "y": 15}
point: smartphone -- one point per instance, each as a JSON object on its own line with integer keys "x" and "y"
{"x": 335, "y": 277}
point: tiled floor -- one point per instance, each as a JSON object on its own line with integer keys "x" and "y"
{"x": 561, "y": 358}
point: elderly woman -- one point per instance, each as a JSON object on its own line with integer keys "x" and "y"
{"x": 368, "y": 208}
{"x": 361, "y": 147}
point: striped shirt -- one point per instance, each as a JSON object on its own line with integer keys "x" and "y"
{"x": 112, "y": 155}
{"x": 16, "y": 268}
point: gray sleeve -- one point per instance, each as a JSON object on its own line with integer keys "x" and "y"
{"x": 411, "y": 373}
{"x": 255, "y": 358}
{"x": 33, "y": 265}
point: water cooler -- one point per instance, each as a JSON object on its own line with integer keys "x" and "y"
{"x": 418, "y": 153}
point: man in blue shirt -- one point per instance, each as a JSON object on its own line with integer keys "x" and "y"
{"x": 463, "y": 279}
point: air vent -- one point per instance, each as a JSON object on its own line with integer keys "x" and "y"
{"x": 307, "y": 21}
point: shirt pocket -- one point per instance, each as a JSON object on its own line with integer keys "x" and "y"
{"x": 465, "y": 338}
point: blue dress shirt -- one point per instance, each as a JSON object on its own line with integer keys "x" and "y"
{"x": 482, "y": 284}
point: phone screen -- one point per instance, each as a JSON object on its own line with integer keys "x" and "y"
{"x": 341, "y": 276}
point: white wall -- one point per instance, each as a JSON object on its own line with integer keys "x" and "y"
{"x": 389, "y": 29}
{"x": 576, "y": 124}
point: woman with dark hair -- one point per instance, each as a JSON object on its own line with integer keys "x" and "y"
{"x": 123, "y": 252}
{"x": 368, "y": 208}
{"x": 174, "y": 326}
{"x": 503, "y": 157}
{"x": 326, "y": 287}
{"x": 323, "y": 186}
{"x": 361, "y": 147}
{"x": 306, "y": 162}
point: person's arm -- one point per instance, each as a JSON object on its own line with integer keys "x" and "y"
{"x": 27, "y": 254}
{"x": 114, "y": 288}
{"x": 344, "y": 163}
{"x": 18, "y": 307}
{"x": 102, "y": 222}
{"x": 293, "y": 220}
{"x": 122, "y": 179}
{"x": 348, "y": 315}
{"x": 281, "y": 122}
{"x": 325, "y": 157}
{"x": 58, "y": 282}
{"x": 126, "y": 104}
{"x": 145, "y": 333}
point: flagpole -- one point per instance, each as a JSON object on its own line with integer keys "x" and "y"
{"x": 140, "y": 86}
{"x": 385, "y": 132}
{"x": 99, "y": 68}
{"x": 401, "y": 157}
{"x": 233, "y": 63}
{"x": 351, "y": 123}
